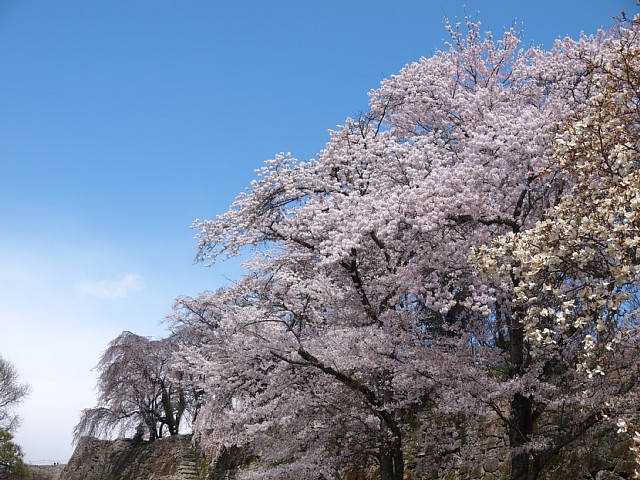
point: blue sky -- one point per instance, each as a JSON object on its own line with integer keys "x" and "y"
{"x": 122, "y": 121}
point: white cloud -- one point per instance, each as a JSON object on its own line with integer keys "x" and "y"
{"x": 113, "y": 288}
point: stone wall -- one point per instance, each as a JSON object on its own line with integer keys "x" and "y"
{"x": 603, "y": 455}
{"x": 46, "y": 472}
{"x": 172, "y": 458}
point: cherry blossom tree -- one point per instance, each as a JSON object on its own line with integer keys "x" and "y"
{"x": 272, "y": 346}
{"x": 574, "y": 275}
{"x": 362, "y": 288}
{"x": 139, "y": 390}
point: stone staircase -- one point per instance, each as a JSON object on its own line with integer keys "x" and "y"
{"x": 188, "y": 466}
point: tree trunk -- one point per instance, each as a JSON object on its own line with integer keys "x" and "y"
{"x": 391, "y": 456}
{"x": 398, "y": 461}
{"x": 521, "y": 421}
{"x": 391, "y": 461}
{"x": 168, "y": 412}
{"x": 519, "y": 432}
